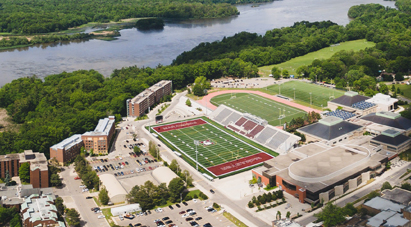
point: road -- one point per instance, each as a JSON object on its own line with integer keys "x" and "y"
{"x": 74, "y": 198}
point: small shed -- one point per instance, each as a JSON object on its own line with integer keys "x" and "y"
{"x": 131, "y": 208}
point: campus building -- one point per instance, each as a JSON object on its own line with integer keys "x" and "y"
{"x": 318, "y": 172}
{"x": 390, "y": 119}
{"x": 67, "y": 149}
{"x": 39, "y": 173}
{"x": 392, "y": 140}
{"x": 99, "y": 139}
{"x": 351, "y": 102}
{"x": 39, "y": 211}
{"x": 331, "y": 130}
{"x": 138, "y": 105}
{"x": 383, "y": 102}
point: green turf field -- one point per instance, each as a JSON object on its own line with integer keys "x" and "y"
{"x": 225, "y": 147}
{"x": 324, "y": 53}
{"x": 320, "y": 95}
{"x": 264, "y": 108}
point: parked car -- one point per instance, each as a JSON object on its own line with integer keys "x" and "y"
{"x": 185, "y": 204}
{"x": 165, "y": 218}
{"x": 77, "y": 178}
{"x": 189, "y": 219}
{"x": 182, "y": 212}
{"x": 178, "y": 205}
{"x": 198, "y": 218}
{"x": 212, "y": 191}
{"x": 89, "y": 197}
{"x": 101, "y": 216}
{"x": 171, "y": 207}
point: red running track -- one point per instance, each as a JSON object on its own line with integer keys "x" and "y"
{"x": 205, "y": 101}
{"x": 238, "y": 164}
{"x": 179, "y": 125}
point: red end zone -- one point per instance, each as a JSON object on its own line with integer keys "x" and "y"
{"x": 241, "y": 163}
{"x": 179, "y": 125}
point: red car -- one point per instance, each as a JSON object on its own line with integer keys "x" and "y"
{"x": 123, "y": 163}
{"x": 77, "y": 178}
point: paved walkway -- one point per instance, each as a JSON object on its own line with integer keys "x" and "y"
{"x": 205, "y": 101}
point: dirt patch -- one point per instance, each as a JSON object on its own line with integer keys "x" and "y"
{"x": 5, "y": 121}
{"x": 103, "y": 33}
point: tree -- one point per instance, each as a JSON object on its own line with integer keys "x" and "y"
{"x": 285, "y": 73}
{"x": 175, "y": 187}
{"x": 137, "y": 149}
{"x": 386, "y": 185}
{"x": 278, "y": 216}
{"x": 276, "y": 72}
{"x": 331, "y": 215}
{"x": 55, "y": 180}
{"x": 7, "y": 178}
{"x": 24, "y": 172}
{"x": 103, "y": 196}
{"x": 383, "y": 88}
{"x": 406, "y": 186}
{"x": 188, "y": 102}
{"x": 349, "y": 209}
{"x": 174, "y": 166}
{"x": 73, "y": 217}
{"x": 201, "y": 84}
{"x": 59, "y": 205}
{"x": 288, "y": 215}
{"x": 250, "y": 204}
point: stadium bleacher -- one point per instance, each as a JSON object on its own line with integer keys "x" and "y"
{"x": 241, "y": 121}
{"x": 255, "y": 131}
{"x": 265, "y": 135}
{"x": 231, "y": 118}
{"x": 222, "y": 115}
{"x": 363, "y": 105}
{"x": 232, "y": 128}
{"x": 341, "y": 114}
{"x": 249, "y": 125}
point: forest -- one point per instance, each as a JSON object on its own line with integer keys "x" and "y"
{"x": 63, "y": 104}
{"x": 44, "y": 16}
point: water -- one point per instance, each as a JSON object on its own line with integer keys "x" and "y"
{"x": 161, "y": 47}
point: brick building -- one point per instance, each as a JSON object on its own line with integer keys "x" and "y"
{"x": 67, "y": 149}
{"x": 99, "y": 139}
{"x": 138, "y": 105}
{"x": 39, "y": 173}
{"x": 39, "y": 211}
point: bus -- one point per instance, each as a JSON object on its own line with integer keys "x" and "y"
{"x": 208, "y": 177}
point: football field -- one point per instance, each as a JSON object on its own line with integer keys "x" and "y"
{"x": 219, "y": 152}
{"x": 320, "y": 95}
{"x": 273, "y": 112}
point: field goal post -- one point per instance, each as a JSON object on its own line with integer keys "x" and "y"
{"x": 233, "y": 96}
{"x": 282, "y": 115}
{"x": 237, "y": 152}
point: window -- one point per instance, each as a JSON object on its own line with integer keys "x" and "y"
{"x": 289, "y": 186}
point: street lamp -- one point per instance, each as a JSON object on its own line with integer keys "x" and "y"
{"x": 279, "y": 89}
{"x": 196, "y": 142}
{"x": 294, "y": 93}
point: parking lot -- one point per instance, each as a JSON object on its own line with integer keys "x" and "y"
{"x": 175, "y": 216}
{"x": 123, "y": 167}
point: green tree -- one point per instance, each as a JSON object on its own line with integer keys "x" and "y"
{"x": 55, "y": 180}
{"x": 73, "y": 217}
{"x": 278, "y": 215}
{"x": 103, "y": 196}
{"x": 137, "y": 149}
{"x": 174, "y": 166}
{"x": 288, "y": 215}
{"x": 276, "y": 72}
{"x": 285, "y": 73}
{"x": 331, "y": 215}
{"x": 7, "y": 178}
{"x": 59, "y": 205}
{"x": 406, "y": 186}
{"x": 175, "y": 187}
{"x": 200, "y": 85}
{"x": 383, "y": 88}
{"x": 349, "y": 209}
{"x": 15, "y": 221}
{"x": 24, "y": 172}
{"x": 188, "y": 102}
{"x": 386, "y": 185}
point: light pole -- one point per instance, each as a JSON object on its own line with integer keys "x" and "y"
{"x": 311, "y": 102}
{"x": 196, "y": 143}
{"x": 181, "y": 197}
{"x": 294, "y": 93}
{"x": 279, "y": 89}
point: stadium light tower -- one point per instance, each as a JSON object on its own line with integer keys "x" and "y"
{"x": 279, "y": 89}
{"x": 196, "y": 143}
{"x": 294, "y": 93}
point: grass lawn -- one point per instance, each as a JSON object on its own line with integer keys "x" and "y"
{"x": 260, "y": 106}
{"x": 324, "y": 53}
{"x": 194, "y": 192}
{"x": 404, "y": 88}
{"x": 107, "y": 213}
{"x": 320, "y": 95}
{"x": 234, "y": 219}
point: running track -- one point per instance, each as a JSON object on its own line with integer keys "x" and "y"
{"x": 205, "y": 101}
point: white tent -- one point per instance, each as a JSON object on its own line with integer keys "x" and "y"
{"x": 125, "y": 209}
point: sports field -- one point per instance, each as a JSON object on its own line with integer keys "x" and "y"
{"x": 324, "y": 53}
{"x": 219, "y": 152}
{"x": 262, "y": 107}
{"x": 320, "y": 95}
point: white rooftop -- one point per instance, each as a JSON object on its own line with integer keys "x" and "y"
{"x": 384, "y": 204}
{"x": 396, "y": 220}
{"x": 39, "y": 208}
{"x": 103, "y": 127}
{"x": 125, "y": 209}
{"x": 285, "y": 223}
{"x": 68, "y": 143}
{"x": 382, "y": 99}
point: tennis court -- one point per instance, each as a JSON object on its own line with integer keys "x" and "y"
{"x": 273, "y": 112}
{"x": 219, "y": 152}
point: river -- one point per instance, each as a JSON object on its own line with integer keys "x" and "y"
{"x": 134, "y": 47}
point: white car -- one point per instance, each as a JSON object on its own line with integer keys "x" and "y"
{"x": 160, "y": 210}
{"x": 194, "y": 200}
{"x": 121, "y": 158}
{"x": 185, "y": 215}
{"x": 138, "y": 170}
{"x": 101, "y": 216}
